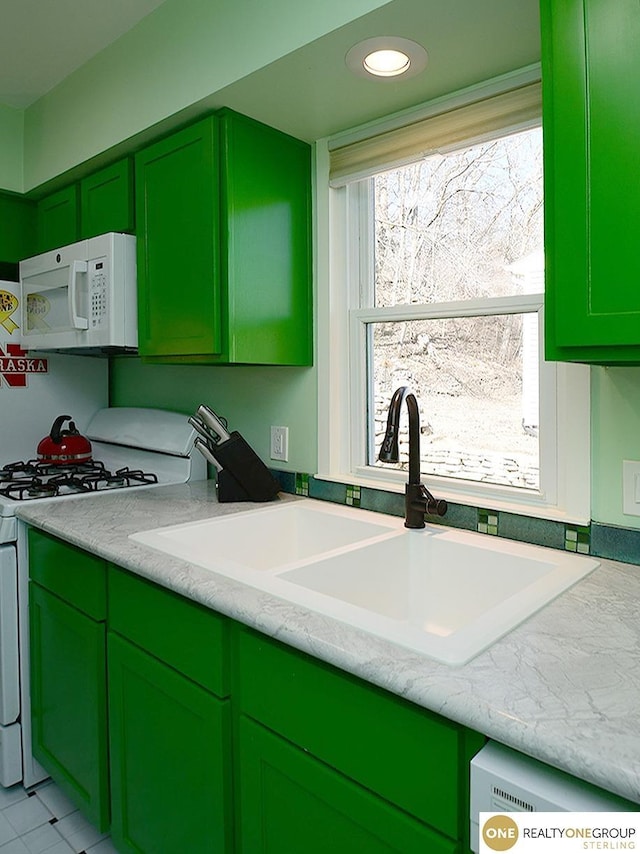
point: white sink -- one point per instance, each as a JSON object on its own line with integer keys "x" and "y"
{"x": 449, "y": 594}
{"x": 269, "y": 538}
{"x": 445, "y": 593}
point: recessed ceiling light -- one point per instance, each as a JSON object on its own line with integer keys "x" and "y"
{"x": 386, "y": 57}
{"x": 386, "y": 63}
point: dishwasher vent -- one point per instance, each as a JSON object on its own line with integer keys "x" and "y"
{"x": 503, "y": 801}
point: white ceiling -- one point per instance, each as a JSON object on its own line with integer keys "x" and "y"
{"x": 43, "y": 41}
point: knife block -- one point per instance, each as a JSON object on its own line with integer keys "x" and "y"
{"x": 244, "y": 477}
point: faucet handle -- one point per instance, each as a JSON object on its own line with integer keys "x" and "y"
{"x": 434, "y": 506}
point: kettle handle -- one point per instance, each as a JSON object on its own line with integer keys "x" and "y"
{"x": 56, "y": 428}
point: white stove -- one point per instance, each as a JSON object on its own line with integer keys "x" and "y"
{"x": 132, "y": 448}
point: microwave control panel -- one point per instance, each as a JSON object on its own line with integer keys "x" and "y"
{"x": 98, "y": 292}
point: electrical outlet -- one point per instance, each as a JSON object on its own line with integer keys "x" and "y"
{"x": 280, "y": 444}
{"x": 631, "y": 487}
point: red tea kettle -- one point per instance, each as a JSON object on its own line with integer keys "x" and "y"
{"x": 62, "y": 447}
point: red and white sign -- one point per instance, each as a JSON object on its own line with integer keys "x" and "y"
{"x": 15, "y": 363}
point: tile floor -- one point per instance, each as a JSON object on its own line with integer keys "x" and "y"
{"x": 43, "y": 821}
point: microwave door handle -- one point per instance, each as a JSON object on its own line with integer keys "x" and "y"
{"x": 75, "y": 268}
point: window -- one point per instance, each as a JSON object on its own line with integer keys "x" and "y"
{"x": 436, "y": 282}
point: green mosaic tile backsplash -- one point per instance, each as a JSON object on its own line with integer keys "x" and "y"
{"x": 598, "y": 540}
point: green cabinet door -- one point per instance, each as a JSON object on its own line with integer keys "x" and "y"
{"x": 177, "y": 196}
{"x": 591, "y": 65}
{"x": 170, "y": 765}
{"x": 410, "y": 757}
{"x": 17, "y": 228}
{"x": 68, "y": 697}
{"x": 106, "y": 200}
{"x": 223, "y": 222}
{"x": 57, "y": 219}
{"x": 292, "y": 803}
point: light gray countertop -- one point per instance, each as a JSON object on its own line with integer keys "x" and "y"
{"x": 563, "y": 687}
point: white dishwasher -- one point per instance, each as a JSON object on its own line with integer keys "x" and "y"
{"x": 503, "y": 780}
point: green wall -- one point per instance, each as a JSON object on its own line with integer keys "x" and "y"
{"x": 254, "y": 398}
{"x": 182, "y": 53}
{"x": 615, "y": 422}
{"x": 250, "y": 398}
{"x": 11, "y": 149}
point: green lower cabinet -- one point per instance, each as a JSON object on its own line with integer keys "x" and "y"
{"x": 290, "y": 802}
{"x": 68, "y": 694}
{"x": 412, "y": 761}
{"x": 213, "y": 738}
{"x": 170, "y": 762}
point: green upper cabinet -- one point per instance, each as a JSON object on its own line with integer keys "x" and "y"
{"x": 106, "y": 200}
{"x": 266, "y": 243}
{"x": 177, "y": 191}
{"x": 591, "y": 115}
{"x": 223, "y": 216}
{"x": 17, "y": 228}
{"x": 101, "y": 202}
{"x": 57, "y": 219}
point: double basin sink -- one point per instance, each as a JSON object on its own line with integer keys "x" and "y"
{"x": 444, "y": 593}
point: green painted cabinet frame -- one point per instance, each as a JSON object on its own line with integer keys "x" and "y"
{"x": 69, "y": 694}
{"x": 57, "y": 218}
{"x": 224, "y": 273}
{"x": 170, "y": 758}
{"x": 67, "y": 614}
{"x": 106, "y": 200}
{"x": 169, "y": 721}
{"x": 591, "y": 118}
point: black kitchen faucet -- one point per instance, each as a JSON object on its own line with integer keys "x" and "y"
{"x": 418, "y": 500}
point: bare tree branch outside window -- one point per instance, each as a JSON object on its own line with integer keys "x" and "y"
{"x": 464, "y": 225}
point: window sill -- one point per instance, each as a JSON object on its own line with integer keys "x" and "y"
{"x": 462, "y": 495}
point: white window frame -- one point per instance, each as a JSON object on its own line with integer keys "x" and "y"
{"x": 344, "y": 230}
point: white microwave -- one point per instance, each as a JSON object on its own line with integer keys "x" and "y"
{"x": 81, "y": 296}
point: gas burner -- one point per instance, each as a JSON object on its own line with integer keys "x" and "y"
{"x": 33, "y": 479}
{"x": 26, "y": 488}
{"x": 123, "y": 477}
{"x": 136, "y": 475}
{"x": 19, "y": 469}
{"x": 71, "y": 469}
{"x": 69, "y": 483}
